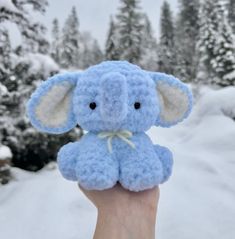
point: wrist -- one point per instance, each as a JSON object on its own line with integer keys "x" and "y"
{"x": 126, "y": 221}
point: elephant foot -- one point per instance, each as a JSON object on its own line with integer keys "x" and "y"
{"x": 139, "y": 176}
{"x": 97, "y": 175}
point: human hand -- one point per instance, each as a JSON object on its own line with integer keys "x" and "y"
{"x": 124, "y": 214}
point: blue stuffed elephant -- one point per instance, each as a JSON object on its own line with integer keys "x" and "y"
{"x": 116, "y": 102}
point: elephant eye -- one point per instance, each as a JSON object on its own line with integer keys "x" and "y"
{"x": 92, "y": 105}
{"x": 137, "y": 105}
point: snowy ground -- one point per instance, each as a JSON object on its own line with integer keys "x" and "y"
{"x": 198, "y": 201}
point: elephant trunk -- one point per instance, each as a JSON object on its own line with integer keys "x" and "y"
{"x": 113, "y": 97}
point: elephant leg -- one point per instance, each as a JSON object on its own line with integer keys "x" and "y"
{"x": 166, "y": 159}
{"x": 141, "y": 172}
{"x": 66, "y": 159}
{"x": 97, "y": 170}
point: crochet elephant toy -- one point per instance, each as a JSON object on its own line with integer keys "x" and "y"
{"x": 116, "y": 102}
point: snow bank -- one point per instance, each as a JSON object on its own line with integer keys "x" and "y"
{"x": 216, "y": 102}
{"x": 44, "y": 205}
{"x": 5, "y": 153}
{"x": 197, "y": 202}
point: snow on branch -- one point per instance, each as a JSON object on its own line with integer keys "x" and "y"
{"x": 17, "y": 11}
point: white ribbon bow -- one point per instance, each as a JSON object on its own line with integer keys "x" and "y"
{"x": 123, "y": 135}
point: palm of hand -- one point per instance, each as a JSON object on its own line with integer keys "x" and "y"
{"x": 123, "y": 214}
{"x": 118, "y": 197}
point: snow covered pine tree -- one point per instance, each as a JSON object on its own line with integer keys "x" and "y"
{"x": 231, "y": 13}
{"x": 55, "y": 45}
{"x": 216, "y": 47}
{"x": 129, "y": 26}
{"x": 186, "y": 34}
{"x": 149, "y": 59}
{"x": 112, "y": 50}
{"x": 26, "y": 67}
{"x": 167, "y": 41}
{"x": 90, "y": 52}
{"x": 130, "y": 37}
{"x": 70, "y": 41}
{"x": 5, "y": 51}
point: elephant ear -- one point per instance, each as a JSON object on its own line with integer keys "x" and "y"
{"x": 175, "y": 99}
{"x": 50, "y": 108}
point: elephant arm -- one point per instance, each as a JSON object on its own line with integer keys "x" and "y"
{"x": 67, "y": 158}
{"x": 166, "y": 159}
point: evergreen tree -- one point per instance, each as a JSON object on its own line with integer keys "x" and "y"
{"x": 85, "y": 50}
{"x": 90, "y": 52}
{"x": 98, "y": 55}
{"x": 44, "y": 47}
{"x": 149, "y": 59}
{"x": 112, "y": 51}
{"x": 231, "y": 14}
{"x": 187, "y": 31}
{"x": 129, "y": 25}
{"x": 216, "y": 46}
{"x": 167, "y": 38}
{"x": 70, "y": 41}
{"x": 206, "y": 41}
{"x": 31, "y": 149}
{"x": 5, "y": 59}
{"x": 55, "y": 46}
{"x": 17, "y": 12}
{"x": 223, "y": 62}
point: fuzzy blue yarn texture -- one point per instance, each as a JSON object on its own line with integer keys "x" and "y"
{"x": 116, "y": 102}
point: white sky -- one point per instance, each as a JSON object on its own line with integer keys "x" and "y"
{"x": 94, "y": 15}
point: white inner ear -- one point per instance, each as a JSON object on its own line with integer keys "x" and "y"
{"x": 173, "y": 102}
{"x": 53, "y": 109}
